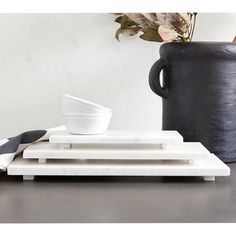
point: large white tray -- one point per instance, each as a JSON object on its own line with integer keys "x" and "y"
{"x": 117, "y": 136}
{"x": 208, "y": 168}
{"x": 181, "y": 151}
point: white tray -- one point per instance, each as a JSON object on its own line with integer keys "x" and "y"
{"x": 182, "y": 151}
{"x": 208, "y": 168}
{"x": 118, "y": 137}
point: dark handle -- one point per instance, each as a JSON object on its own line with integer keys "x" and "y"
{"x": 154, "y": 78}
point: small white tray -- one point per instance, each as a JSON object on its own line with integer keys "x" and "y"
{"x": 181, "y": 151}
{"x": 118, "y": 137}
{"x": 208, "y": 168}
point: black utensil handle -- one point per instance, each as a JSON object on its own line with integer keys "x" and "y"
{"x": 154, "y": 78}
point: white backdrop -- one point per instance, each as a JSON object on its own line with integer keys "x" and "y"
{"x": 44, "y": 55}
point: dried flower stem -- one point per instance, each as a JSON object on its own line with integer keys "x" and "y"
{"x": 194, "y": 23}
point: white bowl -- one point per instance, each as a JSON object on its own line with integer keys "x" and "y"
{"x": 74, "y": 105}
{"x": 87, "y": 123}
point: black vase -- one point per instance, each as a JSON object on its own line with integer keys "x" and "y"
{"x": 199, "y": 93}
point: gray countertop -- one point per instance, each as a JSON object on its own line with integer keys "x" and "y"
{"x": 118, "y": 199}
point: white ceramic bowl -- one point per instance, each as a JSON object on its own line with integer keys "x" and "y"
{"x": 87, "y": 123}
{"x": 74, "y": 105}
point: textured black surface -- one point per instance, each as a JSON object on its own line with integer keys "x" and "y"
{"x": 200, "y": 89}
{"x": 118, "y": 199}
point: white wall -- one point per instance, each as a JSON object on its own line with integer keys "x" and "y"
{"x": 44, "y": 55}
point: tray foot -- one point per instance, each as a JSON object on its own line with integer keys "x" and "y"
{"x": 209, "y": 178}
{"x": 28, "y": 177}
{"x": 66, "y": 146}
{"x": 161, "y": 146}
{"x": 42, "y": 160}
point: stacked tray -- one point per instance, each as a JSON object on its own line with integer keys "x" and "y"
{"x": 123, "y": 153}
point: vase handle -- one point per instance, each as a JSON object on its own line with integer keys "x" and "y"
{"x": 154, "y": 78}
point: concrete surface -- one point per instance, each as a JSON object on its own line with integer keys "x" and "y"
{"x": 116, "y": 199}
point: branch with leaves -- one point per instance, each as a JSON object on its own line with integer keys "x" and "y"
{"x": 157, "y": 27}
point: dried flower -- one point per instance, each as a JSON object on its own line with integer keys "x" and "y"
{"x": 159, "y": 27}
{"x": 166, "y": 34}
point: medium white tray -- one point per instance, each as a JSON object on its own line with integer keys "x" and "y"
{"x": 181, "y": 151}
{"x": 117, "y": 136}
{"x": 208, "y": 168}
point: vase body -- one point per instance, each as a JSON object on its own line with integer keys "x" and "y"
{"x": 199, "y": 93}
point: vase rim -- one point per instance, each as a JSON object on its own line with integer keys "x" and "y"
{"x": 202, "y": 43}
{"x": 199, "y": 49}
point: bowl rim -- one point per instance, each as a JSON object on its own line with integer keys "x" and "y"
{"x": 85, "y": 102}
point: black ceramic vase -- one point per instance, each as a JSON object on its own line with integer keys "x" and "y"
{"x": 199, "y": 93}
